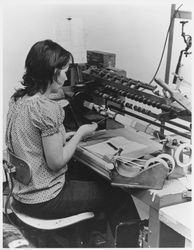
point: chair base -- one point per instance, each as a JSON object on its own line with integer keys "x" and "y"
{"x": 79, "y": 235}
{"x": 48, "y": 224}
{"x": 74, "y": 236}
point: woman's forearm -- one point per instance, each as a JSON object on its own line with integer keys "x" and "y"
{"x": 70, "y": 147}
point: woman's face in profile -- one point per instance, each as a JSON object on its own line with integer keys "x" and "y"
{"x": 60, "y": 78}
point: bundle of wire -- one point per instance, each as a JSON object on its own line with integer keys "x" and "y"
{"x": 136, "y": 164}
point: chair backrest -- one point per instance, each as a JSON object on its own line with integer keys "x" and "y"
{"x": 17, "y": 168}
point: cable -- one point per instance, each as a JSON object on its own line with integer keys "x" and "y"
{"x": 170, "y": 160}
{"x": 128, "y": 158}
{"x": 130, "y": 163}
{"x": 164, "y": 46}
{"x": 156, "y": 160}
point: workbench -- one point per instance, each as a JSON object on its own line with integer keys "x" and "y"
{"x": 173, "y": 191}
{"x": 178, "y": 217}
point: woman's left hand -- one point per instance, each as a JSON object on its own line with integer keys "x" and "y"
{"x": 69, "y": 135}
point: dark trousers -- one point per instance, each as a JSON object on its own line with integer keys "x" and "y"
{"x": 82, "y": 196}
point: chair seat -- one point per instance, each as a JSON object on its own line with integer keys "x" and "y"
{"x": 49, "y": 224}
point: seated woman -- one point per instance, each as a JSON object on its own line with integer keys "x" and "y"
{"x": 35, "y": 133}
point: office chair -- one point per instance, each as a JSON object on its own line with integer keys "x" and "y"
{"x": 17, "y": 168}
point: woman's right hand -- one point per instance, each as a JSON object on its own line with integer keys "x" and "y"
{"x": 87, "y": 129}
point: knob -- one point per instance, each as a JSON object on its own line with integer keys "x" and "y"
{"x": 132, "y": 96}
{"x": 136, "y": 97}
{"x": 137, "y": 85}
{"x": 123, "y": 93}
{"x": 117, "y": 82}
{"x": 153, "y": 104}
{"x": 143, "y": 110}
{"x": 122, "y": 102}
{"x": 147, "y": 112}
{"x": 140, "y": 98}
{"x": 129, "y": 105}
{"x": 139, "y": 109}
{"x": 135, "y": 107}
{"x": 149, "y": 101}
{"x": 104, "y": 96}
{"x": 129, "y": 84}
{"x": 158, "y": 105}
{"x": 144, "y": 100}
{"x": 118, "y": 101}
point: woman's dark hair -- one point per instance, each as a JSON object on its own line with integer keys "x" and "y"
{"x": 42, "y": 60}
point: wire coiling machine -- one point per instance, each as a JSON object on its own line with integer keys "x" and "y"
{"x": 116, "y": 97}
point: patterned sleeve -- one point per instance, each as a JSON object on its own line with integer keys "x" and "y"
{"x": 47, "y": 116}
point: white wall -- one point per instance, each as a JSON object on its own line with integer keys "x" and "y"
{"x": 135, "y": 32}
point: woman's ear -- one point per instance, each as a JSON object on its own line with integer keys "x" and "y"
{"x": 56, "y": 73}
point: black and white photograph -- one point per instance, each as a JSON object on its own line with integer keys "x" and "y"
{"x": 96, "y": 124}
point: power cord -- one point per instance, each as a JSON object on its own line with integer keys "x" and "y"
{"x": 164, "y": 46}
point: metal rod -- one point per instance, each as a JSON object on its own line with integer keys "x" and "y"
{"x": 152, "y": 122}
{"x": 102, "y": 120}
{"x": 179, "y": 125}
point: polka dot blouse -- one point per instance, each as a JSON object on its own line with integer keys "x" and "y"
{"x": 28, "y": 120}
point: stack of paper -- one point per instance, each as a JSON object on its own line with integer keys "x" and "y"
{"x": 111, "y": 146}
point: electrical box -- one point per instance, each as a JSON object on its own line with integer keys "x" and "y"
{"x": 101, "y": 59}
